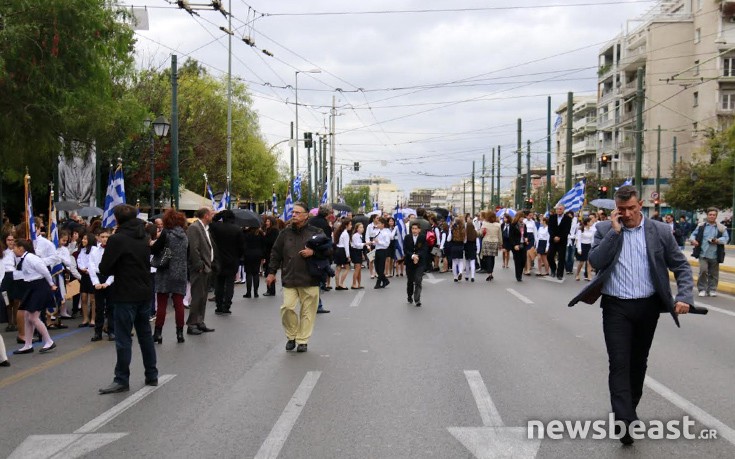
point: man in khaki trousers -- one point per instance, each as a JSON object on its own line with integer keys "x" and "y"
{"x": 290, "y": 254}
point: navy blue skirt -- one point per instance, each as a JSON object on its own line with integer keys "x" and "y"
{"x": 356, "y": 255}
{"x": 585, "y": 252}
{"x": 541, "y": 249}
{"x": 37, "y": 297}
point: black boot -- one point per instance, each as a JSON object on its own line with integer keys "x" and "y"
{"x": 157, "y": 336}
{"x": 180, "y": 334}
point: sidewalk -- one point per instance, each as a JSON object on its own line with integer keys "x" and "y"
{"x": 727, "y": 272}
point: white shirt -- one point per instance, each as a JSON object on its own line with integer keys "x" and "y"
{"x": 344, "y": 242}
{"x": 371, "y": 232}
{"x": 383, "y": 239}
{"x": 530, "y": 226}
{"x": 33, "y": 268}
{"x": 84, "y": 257}
{"x": 357, "y": 241}
{"x": 94, "y": 267}
{"x": 542, "y": 235}
{"x": 8, "y": 260}
{"x": 206, "y": 233}
{"x": 68, "y": 261}
{"x": 586, "y": 237}
{"x": 46, "y": 251}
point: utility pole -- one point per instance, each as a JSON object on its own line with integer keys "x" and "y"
{"x": 518, "y": 174}
{"x": 528, "y": 169}
{"x": 482, "y": 189}
{"x": 331, "y": 158}
{"x": 492, "y": 179}
{"x": 570, "y": 119}
{"x": 310, "y": 182}
{"x": 639, "y": 133}
{"x": 464, "y": 197}
{"x": 674, "y": 150}
{"x": 548, "y": 151}
{"x": 174, "y": 134}
{"x": 291, "y": 144}
{"x": 658, "y": 165}
{"x": 229, "y": 100}
{"x": 473, "y": 188}
{"x": 497, "y": 195}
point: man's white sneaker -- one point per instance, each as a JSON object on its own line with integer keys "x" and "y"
{"x": 713, "y": 294}
{"x": 702, "y": 293}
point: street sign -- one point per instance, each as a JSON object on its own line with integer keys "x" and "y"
{"x": 654, "y": 195}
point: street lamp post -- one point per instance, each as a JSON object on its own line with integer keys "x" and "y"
{"x": 296, "y": 90}
{"x": 160, "y": 128}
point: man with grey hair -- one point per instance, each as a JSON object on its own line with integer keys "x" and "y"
{"x": 709, "y": 241}
{"x": 201, "y": 263}
{"x": 633, "y": 255}
{"x": 559, "y": 227}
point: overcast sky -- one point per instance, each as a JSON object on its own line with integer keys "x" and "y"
{"x": 419, "y": 95}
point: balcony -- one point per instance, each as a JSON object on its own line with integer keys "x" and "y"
{"x": 584, "y": 147}
{"x": 588, "y": 123}
{"x": 605, "y": 146}
{"x": 627, "y": 117}
{"x": 629, "y": 88}
{"x": 605, "y": 121}
{"x": 605, "y": 71}
{"x": 634, "y": 58}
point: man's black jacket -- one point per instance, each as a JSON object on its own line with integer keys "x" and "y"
{"x": 127, "y": 257}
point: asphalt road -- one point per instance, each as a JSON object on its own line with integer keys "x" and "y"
{"x": 381, "y": 379}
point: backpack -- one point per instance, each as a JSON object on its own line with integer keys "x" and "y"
{"x": 430, "y": 239}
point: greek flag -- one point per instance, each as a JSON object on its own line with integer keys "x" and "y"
{"x": 275, "y": 203}
{"x": 363, "y": 205}
{"x": 557, "y": 123}
{"x": 627, "y": 182}
{"x": 398, "y": 216}
{"x": 29, "y": 213}
{"x": 297, "y": 187}
{"x": 115, "y": 196}
{"x": 53, "y": 234}
{"x": 211, "y": 196}
{"x": 288, "y": 208}
{"x": 341, "y": 199}
{"x": 375, "y": 204}
{"x": 574, "y": 198}
{"x": 224, "y": 202}
{"x": 325, "y": 195}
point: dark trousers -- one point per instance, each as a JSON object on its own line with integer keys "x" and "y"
{"x": 519, "y": 262}
{"x": 414, "y": 276}
{"x": 224, "y": 288}
{"x": 103, "y": 310}
{"x": 557, "y": 249}
{"x": 571, "y": 250}
{"x": 197, "y": 307}
{"x": 380, "y": 257}
{"x": 489, "y": 264}
{"x": 252, "y": 275}
{"x": 629, "y": 326}
{"x": 127, "y": 316}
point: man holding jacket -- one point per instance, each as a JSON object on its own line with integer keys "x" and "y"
{"x": 633, "y": 255}
{"x": 127, "y": 257}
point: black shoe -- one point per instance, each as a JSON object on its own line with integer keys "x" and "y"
{"x": 290, "y": 345}
{"x": 96, "y": 338}
{"x": 301, "y": 347}
{"x": 624, "y": 439}
{"x": 560, "y": 277}
{"x": 418, "y": 304}
{"x": 180, "y": 335}
{"x": 193, "y": 331}
{"x": 255, "y": 295}
{"x": 268, "y": 294}
{"x": 410, "y": 300}
{"x": 227, "y": 311}
{"x": 151, "y": 382}
{"x": 44, "y": 350}
{"x": 378, "y": 286}
{"x": 157, "y": 338}
{"x": 111, "y": 336}
{"x": 247, "y": 295}
{"x": 323, "y": 311}
{"x": 114, "y": 388}
{"x": 202, "y": 327}
{"x": 385, "y": 283}
{"x": 4, "y": 363}
{"x": 220, "y": 312}
{"x": 23, "y": 351}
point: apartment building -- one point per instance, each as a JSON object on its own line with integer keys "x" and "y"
{"x": 584, "y": 137}
{"x": 686, "y": 50}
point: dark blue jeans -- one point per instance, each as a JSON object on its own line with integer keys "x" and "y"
{"x": 127, "y": 316}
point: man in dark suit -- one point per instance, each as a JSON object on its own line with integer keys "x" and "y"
{"x": 229, "y": 243}
{"x": 417, "y": 255}
{"x": 559, "y": 227}
{"x": 633, "y": 256}
{"x": 201, "y": 261}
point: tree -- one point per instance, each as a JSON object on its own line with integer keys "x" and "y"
{"x": 354, "y": 196}
{"x": 707, "y": 180}
{"x": 62, "y": 65}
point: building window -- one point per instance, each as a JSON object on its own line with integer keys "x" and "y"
{"x": 697, "y": 35}
{"x": 728, "y": 101}
{"x": 696, "y": 68}
{"x": 696, "y": 98}
{"x": 728, "y": 66}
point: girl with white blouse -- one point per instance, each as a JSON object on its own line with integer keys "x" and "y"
{"x": 39, "y": 295}
{"x": 84, "y": 264}
{"x": 585, "y": 237}
{"x": 342, "y": 255}
{"x": 7, "y": 286}
{"x": 382, "y": 242}
{"x": 542, "y": 247}
{"x": 356, "y": 249}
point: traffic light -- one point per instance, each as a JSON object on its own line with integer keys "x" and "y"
{"x": 656, "y": 202}
{"x": 307, "y": 140}
{"x": 604, "y": 160}
{"x": 356, "y": 166}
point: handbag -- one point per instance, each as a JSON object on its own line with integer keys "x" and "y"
{"x": 162, "y": 259}
{"x": 371, "y": 255}
{"x": 72, "y": 289}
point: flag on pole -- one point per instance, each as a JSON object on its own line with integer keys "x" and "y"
{"x": 115, "y": 196}
{"x": 574, "y": 198}
{"x": 401, "y": 231}
{"x": 275, "y": 203}
{"x": 224, "y": 202}
{"x": 53, "y": 232}
{"x": 30, "y": 222}
{"x": 363, "y": 207}
{"x": 297, "y": 186}
{"x": 211, "y": 195}
{"x": 375, "y": 204}
{"x": 627, "y": 182}
{"x": 325, "y": 195}
{"x": 288, "y": 208}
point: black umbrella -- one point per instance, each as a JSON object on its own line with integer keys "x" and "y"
{"x": 440, "y": 212}
{"x": 247, "y": 218}
{"x": 360, "y": 219}
{"x": 154, "y": 217}
{"x": 89, "y": 212}
{"x": 67, "y": 206}
{"x": 341, "y": 207}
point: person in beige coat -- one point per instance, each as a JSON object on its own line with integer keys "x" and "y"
{"x": 492, "y": 238}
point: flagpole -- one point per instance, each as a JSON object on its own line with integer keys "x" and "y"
{"x": 205, "y": 184}
{"x": 50, "y": 209}
{"x": 27, "y": 181}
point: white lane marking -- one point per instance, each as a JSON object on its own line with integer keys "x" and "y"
{"x": 519, "y": 296}
{"x": 553, "y": 279}
{"x": 716, "y": 309}
{"x": 430, "y": 278}
{"x": 272, "y": 445}
{"x": 358, "y": 298}
{"x": 489, "y": 414}
{"x": 98, "y": 422}
{"x": 723, "y": 431}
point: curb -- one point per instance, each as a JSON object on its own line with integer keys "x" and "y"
{"x": 723, "y": 268}
{"x": 722, "y": 287}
